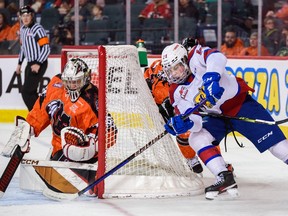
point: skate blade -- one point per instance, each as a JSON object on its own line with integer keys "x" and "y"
{"x": 229, "y": 194}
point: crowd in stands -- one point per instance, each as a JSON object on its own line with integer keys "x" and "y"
{"x": 152, "y": 20}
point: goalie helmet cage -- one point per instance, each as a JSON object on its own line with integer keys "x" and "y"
{"x": 161, "y": 170}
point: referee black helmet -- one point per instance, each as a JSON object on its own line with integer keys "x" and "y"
{"x": 26, "y": 9}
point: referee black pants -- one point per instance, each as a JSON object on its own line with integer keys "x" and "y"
{"x": 31, "y": 82}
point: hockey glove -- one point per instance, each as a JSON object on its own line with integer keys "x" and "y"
{"x": 20, "y": 136}
{"x": 176, "y": 125}
{"x": 77, "y": 146}
{"x": 212, "y": 88}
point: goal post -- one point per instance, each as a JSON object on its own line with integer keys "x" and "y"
{"x": 161, "y": 170}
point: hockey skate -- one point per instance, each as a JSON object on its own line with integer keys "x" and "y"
{"x": 195, "y": 165}
{"x": 225, "y": 185}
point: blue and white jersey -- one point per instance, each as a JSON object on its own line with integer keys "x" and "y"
{"x": 202, "y": 60}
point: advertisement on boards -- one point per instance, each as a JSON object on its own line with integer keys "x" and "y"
{"x": 269, "y": 78}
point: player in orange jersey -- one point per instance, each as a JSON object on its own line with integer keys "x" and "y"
{"x": 69, "y": 104}
{"x": 159, "y": 88}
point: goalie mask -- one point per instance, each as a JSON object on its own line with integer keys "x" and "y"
{"x": 174, "y": 62}
{"x": 76, "y": 77}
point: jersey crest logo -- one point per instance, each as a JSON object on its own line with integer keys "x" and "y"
{"x": 202, "y": 96}
{"x": 58, "y": 85}
{"x": 183, "y": 92}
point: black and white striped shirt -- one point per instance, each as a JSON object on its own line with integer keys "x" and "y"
{"x": 34, "y": 44}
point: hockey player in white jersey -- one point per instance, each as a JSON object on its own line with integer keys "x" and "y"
{"x": 201, "y": 74}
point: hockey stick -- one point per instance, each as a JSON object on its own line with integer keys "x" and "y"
{"x": 64, "y": 196}
{"x": 18, "y": 139}
{"x": 258, "y": 121}
{"x": 10, "y": 169}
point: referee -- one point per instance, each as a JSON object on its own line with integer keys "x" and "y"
{"x": 35, "y": 48}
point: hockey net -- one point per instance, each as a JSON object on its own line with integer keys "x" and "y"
{"x": 161, "y": 170}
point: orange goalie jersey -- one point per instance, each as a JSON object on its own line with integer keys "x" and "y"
{"x": 53, "y": 107}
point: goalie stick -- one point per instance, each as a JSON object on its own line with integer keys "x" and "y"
{"x": 15, "y": 148}
{"x": 258, "y": 121}
{"x": 64, "y": 196}
{"x": 10, "y": 169}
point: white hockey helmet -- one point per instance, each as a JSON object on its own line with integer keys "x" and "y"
{"x": 76, "y": 76}
{"x": 174, "y": 62}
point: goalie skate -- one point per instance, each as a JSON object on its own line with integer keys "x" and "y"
{"x": 195, "y": 166}
{"x": 224, "y": 188}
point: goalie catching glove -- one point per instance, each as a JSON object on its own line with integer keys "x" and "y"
{"x": 20, "y": 136}
{"x": 212, "y": 88}
{"x": 78, "y": 146}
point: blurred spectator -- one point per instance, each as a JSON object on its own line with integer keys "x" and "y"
{"x": 201, "y": 7}
{"x": 252, "y": 50}
{"x": 38, "y": 5}
{"x": 63, "y": 9}
{"x": 12, "y": 6}
{"x": 5, "y": 11}
{"x": 284, "y": 34}
{"x": 62, "y": 35}
{"x": 97, "y": 13}
{"x": 101, "y": 3}
{"x": 241, "y": 10}
{"x": 4, "y": 27}
{"x": 267, "y": 5}
{"x": 283, "y": 51}
{"x": 271, "y": 35}
{"x": 244, "y": 30}
{"x": 15, "y": 30}
{"x": 281, "y": 14}
{"x": 188, "y": 9}
{"x": 156, "y": 9}
{"x": 2, "y": 4}
{"x": 57, "y": 3}
{"x": 232, "y": 44}
{"x": 85, "y": 11}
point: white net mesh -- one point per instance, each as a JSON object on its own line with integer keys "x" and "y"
{"x": 160, "y": 171}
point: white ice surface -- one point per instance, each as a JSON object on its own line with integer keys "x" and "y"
{"x": 262, "y": 181}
